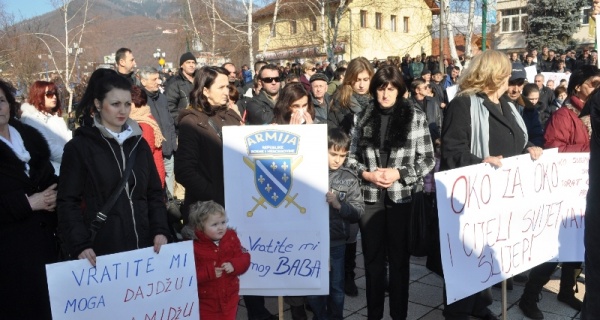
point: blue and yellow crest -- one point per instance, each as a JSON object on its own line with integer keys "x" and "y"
{"x": 273, "y": 163}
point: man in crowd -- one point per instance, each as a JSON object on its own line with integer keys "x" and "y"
{"x": 160, "y": 111}
{"x": 259, "y": 109}
{"x": 232, "y": 76}
{"x": 125, "y": 62}
{"x": 321, "y": 100}
{"x": 546, "y": 94}
{"x": 179, "y": 87}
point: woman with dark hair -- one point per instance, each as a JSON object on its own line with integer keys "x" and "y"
{"x": 140, "y": 112}
{"x": 294, "y": 106}
{"x": 199, "y": 161}
{"x": 85, "y": 110}
{"x": 43, "y": 112}
{"x": 391, "y": 151}
{"x": 27, "y": 219}
{"x": 93, "y": 163}
{"x": 569, "y": 128}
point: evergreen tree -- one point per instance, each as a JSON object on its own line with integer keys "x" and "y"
{"x": 552, "y": 23}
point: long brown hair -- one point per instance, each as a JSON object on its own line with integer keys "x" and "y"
{"x": 344, "y": 91}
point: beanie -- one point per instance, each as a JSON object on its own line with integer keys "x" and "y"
{"x": 185, "y": 57}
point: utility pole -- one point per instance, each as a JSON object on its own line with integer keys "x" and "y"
{"x": 442, "y": 12}
{"x": 484, "y": 24}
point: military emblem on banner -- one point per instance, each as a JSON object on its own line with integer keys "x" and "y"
{"x": 273, "y": 156}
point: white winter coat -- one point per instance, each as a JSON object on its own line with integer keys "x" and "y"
{"x": 53, "y": 128}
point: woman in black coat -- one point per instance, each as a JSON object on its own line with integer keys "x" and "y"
{"x": 481, "y": 87}
{"x": 199, "y": 160}
{"x": 93, "y": 163}
{"x": 27, "y": 217}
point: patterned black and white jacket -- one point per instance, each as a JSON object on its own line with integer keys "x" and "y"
{"x": 409, "y": 141}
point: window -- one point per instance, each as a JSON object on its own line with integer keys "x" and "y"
{"x": 273, "y": 30}
{"x": 363, "y": 19}
{"x": 393, "y": 23}
{"x": 313, "y": 24}
{"x": 585, "y": 15}
{"x": 405, "y": 25}
{"x": 378, "y": 20}
{"x": 293, "y": 27}
{"x": 514, "y": 20}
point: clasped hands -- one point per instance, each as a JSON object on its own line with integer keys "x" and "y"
{"x": 382, "y": 177}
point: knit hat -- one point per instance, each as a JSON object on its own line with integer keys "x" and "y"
{"x": 318, "y": 76}
{"x": 185, "y": 57}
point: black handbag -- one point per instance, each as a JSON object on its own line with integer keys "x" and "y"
{"x": 419, "y": 223}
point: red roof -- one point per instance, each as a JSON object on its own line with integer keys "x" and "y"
{"x": 459, "y": 40}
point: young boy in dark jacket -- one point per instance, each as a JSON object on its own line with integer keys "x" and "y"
{"x": 345, "y": 206}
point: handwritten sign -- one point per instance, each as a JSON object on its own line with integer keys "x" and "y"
{"x": 451, "y": 92}
{"x": 556, "y": 77}
{"x": 138, "y": 284}
{"x": 531, "y": 71}
{"x": 276, "y": 178}
{"x": 495, "y": 223}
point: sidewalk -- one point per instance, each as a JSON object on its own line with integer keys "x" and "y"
{"x": 425, "y": 300}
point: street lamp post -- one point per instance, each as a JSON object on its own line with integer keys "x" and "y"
{"x": 160, "y": 55}
{"x": 76, "y": 50}
{"x": 42, "y": 57}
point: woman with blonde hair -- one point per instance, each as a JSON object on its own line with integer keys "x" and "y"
{"x": 352, "y": 96}
{"x": 480, "y": 126}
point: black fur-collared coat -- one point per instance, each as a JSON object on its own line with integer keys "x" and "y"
{"x": 27, "y": 240}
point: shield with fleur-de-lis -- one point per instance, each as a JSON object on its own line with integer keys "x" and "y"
{"x": 273, "y": 178}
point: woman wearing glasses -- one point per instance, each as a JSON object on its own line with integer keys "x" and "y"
{"x": 44, "y": 113}
{"x": 308, "y": 69}
{"x": 199, "y": 161}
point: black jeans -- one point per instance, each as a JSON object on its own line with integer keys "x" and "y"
{"x": 384, "y": 229}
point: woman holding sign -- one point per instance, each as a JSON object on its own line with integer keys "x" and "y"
{"x": 391, "y": 151}
{"x": 27, "y": 217}
{"x": 502, "y": 133}
{"x": 110, "y": 198}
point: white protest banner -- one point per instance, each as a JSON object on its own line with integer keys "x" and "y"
{"x": 495, "y": 223}
{"x": 136, "y": 285}
{"x": 451, "y": 92}
{"x": 531, "y": 71}
{"x": 556, "y": 77}
{"x": 574, "y": 169}
{"x": 276, "y": 178}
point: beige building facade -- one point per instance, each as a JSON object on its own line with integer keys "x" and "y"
{"x": 368, "y": 28}
{"x": 511, "y": 27}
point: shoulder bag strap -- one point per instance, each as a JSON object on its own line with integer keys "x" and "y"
{"x": 212, "y": 124}
{"x": 101, "y": 216}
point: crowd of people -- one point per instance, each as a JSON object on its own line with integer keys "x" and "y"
{"x": 145, "y": 141}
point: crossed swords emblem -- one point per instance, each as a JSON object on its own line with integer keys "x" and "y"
{"x": 261, "y": 200}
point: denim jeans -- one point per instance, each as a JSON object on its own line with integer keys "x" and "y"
{"x": 331, "y": 307}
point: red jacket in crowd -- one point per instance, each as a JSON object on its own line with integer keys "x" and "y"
{"x": 219, "y": 297}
